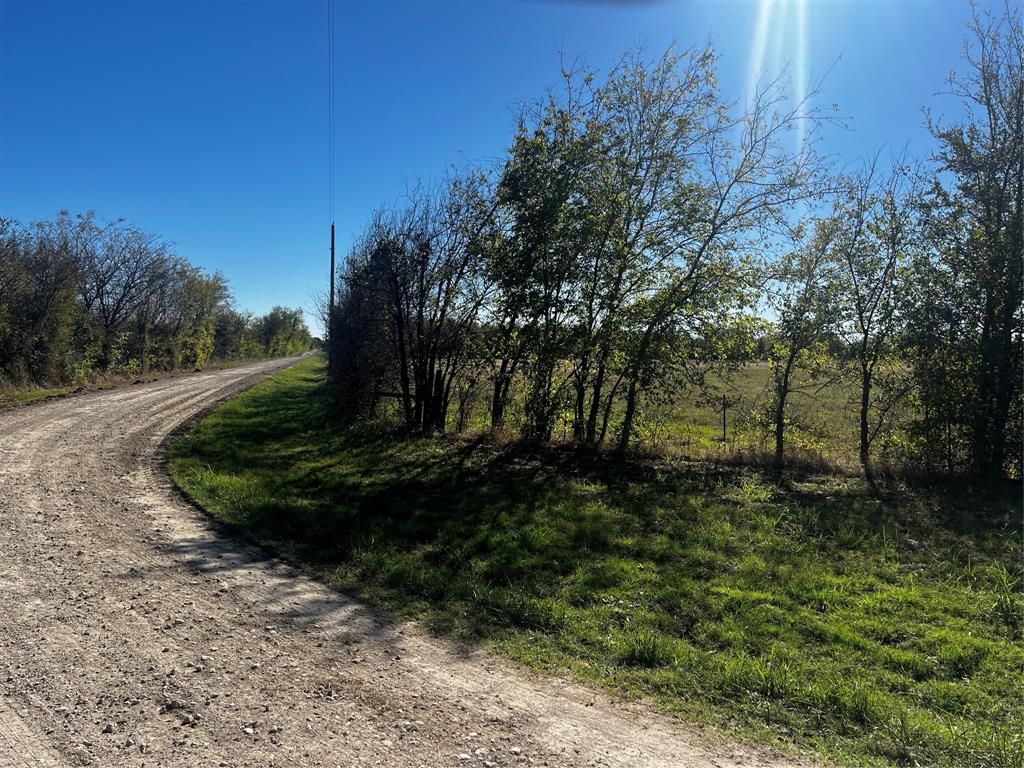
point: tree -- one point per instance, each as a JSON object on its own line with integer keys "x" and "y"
{"x": 120, "y": 267}
{"x": 733, "y": 198}
{"x": 803, "y": 296}
{"x": 875, "y": 230}
{"x": 417, "y": 279}
{"x": 282, "y": 332}
{"x": 651, "y": 117}
{"x": 38, "y": 312}
{"x": 538, "y": 265}
{"x": 977, "y": 235}
{"x": 79, "y": 296}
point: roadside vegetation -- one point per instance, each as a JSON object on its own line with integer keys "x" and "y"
{"x": 15, "y": 396}
{"x": 84, "y": 303}
{"x": 646, "y": 236}
{"x": 806, "y": 613}
{"x": 11, "y": 396}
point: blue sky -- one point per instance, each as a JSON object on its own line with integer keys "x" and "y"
{"x": 205, "y": 121}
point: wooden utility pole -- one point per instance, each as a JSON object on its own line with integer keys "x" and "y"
{"x": 329, "y": 330}
{"x": 330, "y": 306}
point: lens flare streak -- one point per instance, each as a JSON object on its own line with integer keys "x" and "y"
{"x": 780, "y": 34}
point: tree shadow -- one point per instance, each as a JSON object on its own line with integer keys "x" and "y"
{"x": 485, "y": 535}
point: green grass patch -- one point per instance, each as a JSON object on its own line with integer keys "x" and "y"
{"x": 808, "y": 616}
{"x": 22, "y": 396}
{"x": 117, "y": 377}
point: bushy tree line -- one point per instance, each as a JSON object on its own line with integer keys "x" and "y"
{"x": 79, "y": 296}
{"x": 643, "y": 232}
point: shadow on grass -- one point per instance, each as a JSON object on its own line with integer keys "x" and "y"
{"x": 487, "y": 534}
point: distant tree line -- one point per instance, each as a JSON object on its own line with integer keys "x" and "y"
{"x": 642, "y": 233}
{"x": 80, "y": 297}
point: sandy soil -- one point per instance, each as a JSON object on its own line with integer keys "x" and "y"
{"x": 135, "y": 633}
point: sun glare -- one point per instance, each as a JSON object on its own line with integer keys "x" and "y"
{"x": 781, "y": 33}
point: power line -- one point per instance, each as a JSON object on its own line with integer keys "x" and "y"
{"x": 330, "y": 105}
{"x": 330, "y": 155}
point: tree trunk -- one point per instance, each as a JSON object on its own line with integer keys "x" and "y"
{"x": 403, "y": 375}
{"x": 865, "y": 404}
{"x": 499, "y": 396}
{"x": 637, "y": 368}
{"x": 982, "y": 431}
{"x": 780, "y": 431}
{"x": 595, "y": 400}
{"x": 627, "y": 419}
{"x": 106, "y": 352}
{"x": 782, "y": 393}
{"x": 463, "y": 412}
{"x": 579, "y": 429}
{"x": 606, "y": 417}
{"x": 437, "y": 407}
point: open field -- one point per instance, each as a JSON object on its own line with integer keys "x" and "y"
{"x": 822, "y": 424}
{"x": 808, "y": 615}
{"x": 821, "y": 431}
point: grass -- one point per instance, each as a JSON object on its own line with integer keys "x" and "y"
{"x": 21, "y": 395}
{"x": 822, "y": 426}
{"x": 809, "y": 616}
{"x": 14, "y": 396}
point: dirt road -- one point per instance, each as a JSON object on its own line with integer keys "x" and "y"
{"x": 132, "y": 633}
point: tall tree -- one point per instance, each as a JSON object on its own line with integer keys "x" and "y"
{"x": 540, "y": 188}
{"x": 651, "y": 119}
{"x": 741, "y": 181}
{"x": 978, "y": 225}
{"x": 421, "y": 268}
{"x": 803, "y": 298}
{"x": 875, "y": 232}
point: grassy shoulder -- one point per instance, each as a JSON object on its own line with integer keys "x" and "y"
{"x": 14, "y": 396}
{"x": 17, "y": 396}
{"x": 810, "y": 616}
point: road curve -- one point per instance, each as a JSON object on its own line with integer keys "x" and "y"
{"x": 133, "y": 633}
